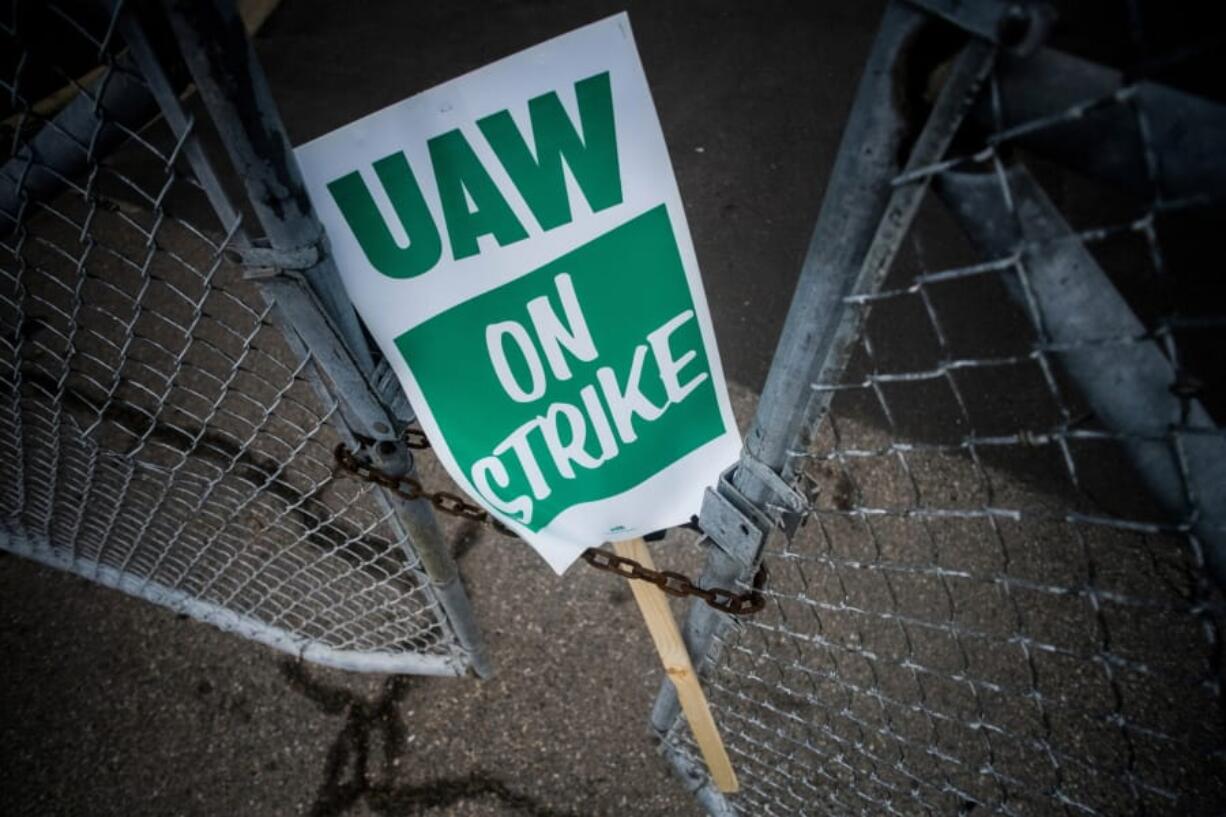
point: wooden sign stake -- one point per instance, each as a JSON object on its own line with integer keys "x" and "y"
{"x": 667, "y": 637}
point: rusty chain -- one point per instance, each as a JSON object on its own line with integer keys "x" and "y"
{"x": 678, "y": 584}
{"x": 674, "y": 584}
{"x": 410, "y": 488}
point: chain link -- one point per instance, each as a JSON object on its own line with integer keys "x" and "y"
{"x": 674, "y": 584}
{"x": 677, "y": 584}
{"x": 409, "y": 488}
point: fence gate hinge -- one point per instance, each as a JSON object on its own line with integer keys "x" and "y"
{"x": 739, "y": 526}
{"x": 261, "y": 261}
{"x": 732, "y": 522}
{"x": 729, "y": 529}
{"x": 789, "y": 499}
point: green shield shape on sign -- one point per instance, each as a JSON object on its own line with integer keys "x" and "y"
{"x": 603, "y": 383}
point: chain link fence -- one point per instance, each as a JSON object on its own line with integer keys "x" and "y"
{"x": 163, "y": 430}
{"x": 997, "y": 544}
{"x": 985, "y": 473}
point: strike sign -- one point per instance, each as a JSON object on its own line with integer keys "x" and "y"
{"x": 515, "y": 242}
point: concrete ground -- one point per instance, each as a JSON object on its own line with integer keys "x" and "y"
{"x": 1096, "y": 668}
{"x": 113, "y": 706}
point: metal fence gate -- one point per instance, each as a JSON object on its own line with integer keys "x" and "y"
{"x": 984, "y": 474}
{"x": 177, "y": 361}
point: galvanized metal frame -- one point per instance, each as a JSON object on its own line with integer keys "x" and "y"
{"x": 814, "y": 334}
{"x": 228, "y": 620}
{"x": 293, "y": 273}
{"x": 311, "y": 301}
{"x": 867, "y": 209}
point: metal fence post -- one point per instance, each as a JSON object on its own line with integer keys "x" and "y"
{"x": 227, "y": 73}
{"x": 1009, "y": 467}
{"x": 855, "y": 197}
{"x": 223, "y": 64}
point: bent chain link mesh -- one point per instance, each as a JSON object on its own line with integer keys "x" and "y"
{"x": 986, "y": 609}
{"x": 157, "y": 433}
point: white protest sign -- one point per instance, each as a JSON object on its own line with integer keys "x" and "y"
{"x": 515, "y": 242}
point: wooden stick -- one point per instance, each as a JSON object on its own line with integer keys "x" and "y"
{"x": 664, "y": 632}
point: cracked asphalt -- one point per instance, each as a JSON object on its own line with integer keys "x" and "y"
{"x": 114, "y": 706}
